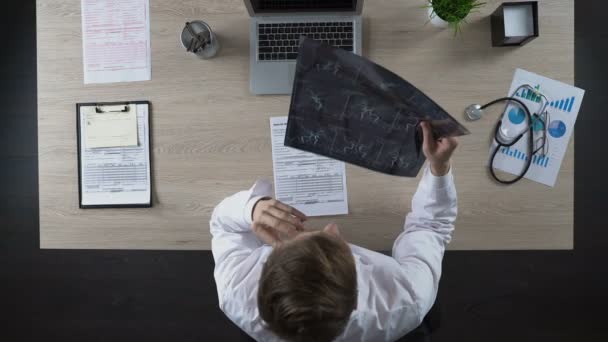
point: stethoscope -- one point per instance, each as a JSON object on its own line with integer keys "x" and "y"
{"x": 474, "y": 112}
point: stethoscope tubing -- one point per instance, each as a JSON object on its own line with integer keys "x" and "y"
{"x": 528, "y": 161}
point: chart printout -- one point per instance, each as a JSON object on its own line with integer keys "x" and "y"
{"x": 563, "y": 107}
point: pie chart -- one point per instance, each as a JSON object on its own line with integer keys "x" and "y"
{"x": 517, "y": 115}
{"x": 557, "y": 129}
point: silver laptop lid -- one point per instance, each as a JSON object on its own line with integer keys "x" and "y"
{"x": 303, "y": 7}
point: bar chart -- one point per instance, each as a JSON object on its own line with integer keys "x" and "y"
{"x": 542, "y": 161}
{"x": 529, "y": 94}
{"x": 564, "y": 105}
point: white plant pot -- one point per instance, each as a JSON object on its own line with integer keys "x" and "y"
{"x": 435, "y": 20}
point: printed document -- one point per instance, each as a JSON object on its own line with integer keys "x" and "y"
{"x": 563, "y": 103}
{"x": 110, "y": 129}
{"x": 116, "y": 41}
{"x": 117, "y": 175}
{"x": 313, "y": 184}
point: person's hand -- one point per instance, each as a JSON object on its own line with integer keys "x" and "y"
{"x": 273, "y": 220}
{"x": 438, "y": 152}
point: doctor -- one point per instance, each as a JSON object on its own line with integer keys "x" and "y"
{"x": 279, "y": 280}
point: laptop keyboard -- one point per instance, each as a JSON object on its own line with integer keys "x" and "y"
{"x": 281, "y": 41}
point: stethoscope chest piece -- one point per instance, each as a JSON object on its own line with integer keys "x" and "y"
{"x": 473, "y": 112}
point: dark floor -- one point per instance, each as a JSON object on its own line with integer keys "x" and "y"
{"x": 170, "y": 296}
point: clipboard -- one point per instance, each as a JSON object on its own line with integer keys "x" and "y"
{"x": 115, "y": 177}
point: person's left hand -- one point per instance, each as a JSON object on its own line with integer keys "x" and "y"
{"x": 273, "y": 219}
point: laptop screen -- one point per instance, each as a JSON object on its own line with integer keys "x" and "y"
{"x": 294, "y": 6}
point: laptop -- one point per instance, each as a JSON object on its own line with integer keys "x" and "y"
{"x": 275, "y": 31}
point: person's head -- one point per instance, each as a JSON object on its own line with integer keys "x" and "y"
{"x": 308, "y": 287}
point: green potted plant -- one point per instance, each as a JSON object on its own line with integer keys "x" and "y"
{"x": 451, "y": 13}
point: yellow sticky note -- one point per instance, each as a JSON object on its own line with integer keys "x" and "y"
{"x": 111, "y": 128}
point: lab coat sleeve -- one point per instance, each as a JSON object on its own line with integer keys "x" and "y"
{"x": 233, "y": 240}
{"x": 428, "y": 229}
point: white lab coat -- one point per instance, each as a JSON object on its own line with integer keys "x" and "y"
{"x": 395, "y": 293}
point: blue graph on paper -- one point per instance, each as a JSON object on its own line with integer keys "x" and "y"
{"x": 565, "y": 105}
{"x": 529, "y": 94}
{"x": 539, "y": 160}
{"x": 562, "y": 106}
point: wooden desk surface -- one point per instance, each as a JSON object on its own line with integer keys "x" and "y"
{"x": 211, "y": 137}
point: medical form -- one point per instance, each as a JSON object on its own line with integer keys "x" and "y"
{"x": 311, "y": 183}
{"x": 116, "y": 176}
{"x": 116, "y": 41}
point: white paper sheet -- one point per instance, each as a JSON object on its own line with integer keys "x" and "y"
{"x": 117, "y": 175}
{"x": 565, "y": 101}
{"x": 116, "y": 41}
{"x": 110, "y": 129}
{"x": 313, "y": 184}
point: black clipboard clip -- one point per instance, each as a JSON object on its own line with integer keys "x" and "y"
{"x": 99, "y": 109}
